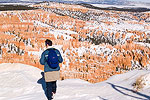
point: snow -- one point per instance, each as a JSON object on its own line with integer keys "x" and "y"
{"x": 143, "y": 44}
{"x": 38, "y": 23}
{"x": 24, "y": 82}
{"x": 19, "y": 82}
{"x": 122, "y": 6}
{"x": 64, "y": 33}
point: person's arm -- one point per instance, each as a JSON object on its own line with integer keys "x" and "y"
{"x": 42, "y": 59}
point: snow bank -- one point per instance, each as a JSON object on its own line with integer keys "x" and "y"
{"x": 19, "y": 82}
{"x": 121, "y": 6}
{"x": 24, "y": 82}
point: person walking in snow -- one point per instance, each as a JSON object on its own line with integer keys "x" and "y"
{"x": 51, "y": 58}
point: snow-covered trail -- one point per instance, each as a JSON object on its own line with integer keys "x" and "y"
{"x": 24, "y": 82}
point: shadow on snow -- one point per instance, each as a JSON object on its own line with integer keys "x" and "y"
{"x": 117, "y": 88}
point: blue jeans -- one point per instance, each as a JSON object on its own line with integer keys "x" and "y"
{"x": 50, "y": 89}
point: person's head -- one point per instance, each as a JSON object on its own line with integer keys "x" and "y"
{"x": 48, "y": 42}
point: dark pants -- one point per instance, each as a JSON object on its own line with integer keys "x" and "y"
{"x": 50, "y": 89}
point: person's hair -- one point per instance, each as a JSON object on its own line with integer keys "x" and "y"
{"x": 49, "y": 42}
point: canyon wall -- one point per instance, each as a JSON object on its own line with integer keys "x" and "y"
{"x": 95, "y": 44}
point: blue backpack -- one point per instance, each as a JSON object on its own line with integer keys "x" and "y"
{"x": 52, "y": 59}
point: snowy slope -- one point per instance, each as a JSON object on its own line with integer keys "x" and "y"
{"x": 23, "y": 82}
{"x": 118, "y": 87}
{"x": 19, "y": 82}
{"x": 136, "y": 5}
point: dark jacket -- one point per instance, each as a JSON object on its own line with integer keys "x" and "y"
{"x": 43, "y": 60}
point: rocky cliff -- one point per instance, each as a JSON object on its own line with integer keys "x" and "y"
{"x": 95, "y": 44}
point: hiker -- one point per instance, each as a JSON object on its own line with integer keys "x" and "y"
{"x": 51, "y": 58}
